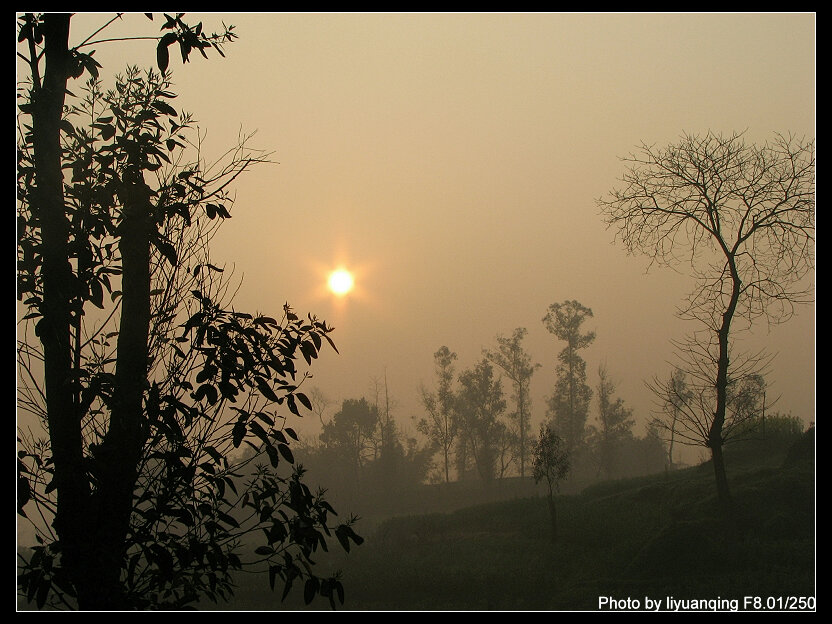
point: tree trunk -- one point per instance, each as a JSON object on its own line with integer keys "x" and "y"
{"x": 723, "y": 493}
{"x": 553, "y": 516}
{"x": 119, "y": 455}
{"x": 72, "y": 521}
{"x": 715, "y": 440}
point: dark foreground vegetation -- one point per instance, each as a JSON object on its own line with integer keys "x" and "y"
{"x": 658, "y": 536}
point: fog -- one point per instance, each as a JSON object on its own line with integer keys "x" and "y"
{"x": 452, "y": 162}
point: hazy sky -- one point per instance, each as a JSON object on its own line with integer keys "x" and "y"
{"x": 452, "y": 161}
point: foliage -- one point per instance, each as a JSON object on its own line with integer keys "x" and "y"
{"x": 480, "y": 405}
{"x": 615, "y": 424}
{"x": 355, "y": 466}
{"x": 569, "y": 403}
{"x": 441, "y": 426}
{"x": 551, "y": 459}
{"x": 138, "y": 493}
{"x": 350, "y": 433}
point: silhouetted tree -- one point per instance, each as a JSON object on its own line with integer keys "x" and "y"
{"x": 551, "y": 462}
{"x": 142, "y": 502}
{"x": 442, "y": 424}
{"x": 350, "y": 434}
{"x": 569, "y": 403}
{"x": 743, "y": 217}
{"x": 480, "y": 405}
{"x": 517, "y": 365}
{"x": 615, "y": 423}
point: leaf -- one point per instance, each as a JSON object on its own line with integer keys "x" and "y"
{"x": 257, "y": 430}
{"x": 287, "y": 587}
{"x": 162, "y": 55}
{"x": 304, "y": 399}
{"x": 43, "y": 593}
{"x": 228, "y": 519}
{"x": 286, "y": 452}
{"x": 265, "y": 389}
{"x": 238, "y": 433}
{"x": 273, "y": 570}
{"x": 165, "y": 108}
{"x": 96, "y": 294}
{"x": 24, "y": 494}
{"x": 310, "y": 588}
{"x": 166, "y": 249}
{"x": 264, "y": 551}
{"x": 273, "y": 456}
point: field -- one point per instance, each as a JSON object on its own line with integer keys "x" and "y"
{"x": 655, "y": 536}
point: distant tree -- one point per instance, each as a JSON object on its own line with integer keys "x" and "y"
{"x": 743, "y": 218}
{"x": 320, "y": 403}
{"x": 687, "y": 399}
{"x": 569, "y": 403}
{"x": 350, "y": 434}
{"x": 386, "y": 433}
{"x": 676, "y": 396}
{"x": 551, "y": 462}
{"x": 441, "y": 426}
{"x": 615, "y": 423}
{"x": 517, "y": 366}
{"x": 132, "y": 360}
{"x": 480, "y": 405}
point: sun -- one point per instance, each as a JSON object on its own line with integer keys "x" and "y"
{"x": 341, "y": 282}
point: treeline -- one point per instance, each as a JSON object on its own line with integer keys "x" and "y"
{"x": 475, "y": 429}
{"x": 479, "y": 421}
{"x": 476, "y": 423}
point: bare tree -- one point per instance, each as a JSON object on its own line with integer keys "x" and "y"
{"x": 320, "y": 403}
{"x": 742, "y": 218}
{"x": 517, "y": 365}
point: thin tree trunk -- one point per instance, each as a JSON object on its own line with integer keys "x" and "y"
{"x": 72, "y": 522}
{"x": 715, "y": 440}
{"x": 121, "y": 450}
{"x": 553, "y": 516}
{"x": 723, "y": 492}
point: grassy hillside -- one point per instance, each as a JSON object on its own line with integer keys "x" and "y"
{"x": 652, "y": 536}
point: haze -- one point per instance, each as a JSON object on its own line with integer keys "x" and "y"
{"x": 452, "y": 163}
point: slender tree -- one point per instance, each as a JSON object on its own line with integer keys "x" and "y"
{"x": 615, "y": 423}
{"x": 569, "y": 403}
{"x": 551, "y": 462}
{"x": 480, "y": 406}
{"x": 742, "y": 217}
{"x": 517, "y": 365}
{"x": 441, "y": 426}
{"x": 673, "y": 400}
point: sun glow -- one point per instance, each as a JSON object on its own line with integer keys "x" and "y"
{"x": 340, "y": 282}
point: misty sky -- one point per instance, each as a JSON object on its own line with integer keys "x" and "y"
{"x": 452, "y": 162}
